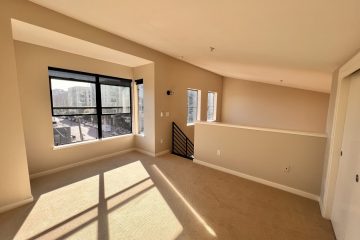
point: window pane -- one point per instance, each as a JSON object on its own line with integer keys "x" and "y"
{"x": 115, "y": 125}
{"x": 71, "y": 129}
{"x": 192, "y": 105}
{"x": 72, "y": 94}
{"x": 211, "y": 114}
{"x": 140, "y": 91}
{"x": 74, "y": 111}
{"x": 116, "y": 96}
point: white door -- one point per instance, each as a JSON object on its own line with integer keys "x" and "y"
{"x": 346, "y": 209}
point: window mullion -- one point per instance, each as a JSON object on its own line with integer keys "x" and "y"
{"x": 98, "y": 106}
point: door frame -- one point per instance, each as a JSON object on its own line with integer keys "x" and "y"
{"x": 335, "y": 130}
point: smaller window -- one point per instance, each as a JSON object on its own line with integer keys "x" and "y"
{"x": 140, "y": 105}
{"x": 211, "y": 107}
{"x": 193, "y": 103}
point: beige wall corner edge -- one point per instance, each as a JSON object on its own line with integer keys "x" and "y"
{"x": 162, "y": 153}
{"x": 152, "y": 154}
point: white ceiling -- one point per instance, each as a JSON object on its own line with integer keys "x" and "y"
{"x": 29, "y": 33}
{"x": 310, "y": 38}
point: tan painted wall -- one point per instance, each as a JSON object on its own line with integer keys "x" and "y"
{"x": 147, "y": 141}
{"x": 264, "y": 154}
{"x": 183, "y": 76}
{"x": 167, "y": 75}
{"x": 14, "y": 176}
{"x": 271, "y": 106}
{"x": 32, "y": 66}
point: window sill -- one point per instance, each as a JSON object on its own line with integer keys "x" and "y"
{"x": 71, "y": 145}
{"x": 116, "y": 137}
{"x": 140, "y": 134}
{"x": 211, "y": 120}
{"x": 190, "y": 124}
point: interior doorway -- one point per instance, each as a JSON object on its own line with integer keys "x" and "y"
{"x": 346, "y": 209}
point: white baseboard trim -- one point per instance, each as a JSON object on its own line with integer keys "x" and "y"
{"x": 58, "y": 169}
{"x": 16, "y": 204}
{"x": 162, "y": 153}
{"x": 158, "y": 154}
{"x": 151, "y": 154}
{"x": 260, "y": 180}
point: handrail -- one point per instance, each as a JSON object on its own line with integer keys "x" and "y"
{"x": 181, "y": 144}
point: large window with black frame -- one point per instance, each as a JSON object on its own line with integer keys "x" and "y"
{"x": 88, "y": 106}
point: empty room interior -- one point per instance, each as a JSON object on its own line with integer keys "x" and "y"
{"x": 172, "y": 120}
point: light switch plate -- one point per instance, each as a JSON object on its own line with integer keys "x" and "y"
{"x": 218, "y": 152}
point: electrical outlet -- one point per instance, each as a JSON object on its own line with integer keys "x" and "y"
{"x": 218, "y": 152}
{"x": 167, "y": 114}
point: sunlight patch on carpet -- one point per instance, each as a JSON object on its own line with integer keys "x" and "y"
{"x": 192, "y": 210}
{"x": 67, "y": 206}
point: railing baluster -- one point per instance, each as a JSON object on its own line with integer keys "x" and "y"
{"x": 179, "y": 139}
{"x": 173, "y": 150}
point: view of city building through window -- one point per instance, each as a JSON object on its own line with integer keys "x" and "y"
{"x": 211, "y": 107}
{"x": 76, "y": 109}
{"x": 140, "y": 107}
{"x": 192, "y": 105}
{"x": 116, "y": 112}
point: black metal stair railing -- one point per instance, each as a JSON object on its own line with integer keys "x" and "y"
{"x": 181, "y": 144}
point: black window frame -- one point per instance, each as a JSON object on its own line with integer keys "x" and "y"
{"x": 98, "y": 106}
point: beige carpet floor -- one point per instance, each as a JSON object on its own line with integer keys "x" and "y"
{"x": 134, "y": 196}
